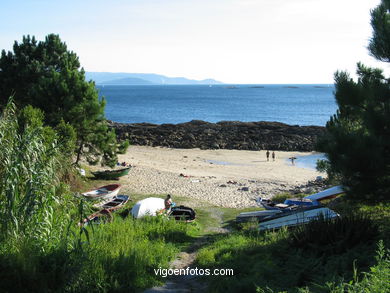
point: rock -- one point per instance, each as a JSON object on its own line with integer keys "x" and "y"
{"x": 222, "y": 135}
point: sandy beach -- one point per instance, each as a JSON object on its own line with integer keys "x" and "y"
{"x": 226, "y": 178}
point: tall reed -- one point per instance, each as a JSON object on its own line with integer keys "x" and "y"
{"x": 27, "y": 178}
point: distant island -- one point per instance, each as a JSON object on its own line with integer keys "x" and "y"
{"x": 116, "y": 78}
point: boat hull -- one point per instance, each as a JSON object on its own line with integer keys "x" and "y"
{"x": 297, "y": 218}
{"x": 111, "y": 174}
{"x": 103, "y": 193}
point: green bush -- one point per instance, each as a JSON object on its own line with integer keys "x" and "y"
{"x": 334, "y": 236}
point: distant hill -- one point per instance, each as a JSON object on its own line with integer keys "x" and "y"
{"x": 126, "y": 81}
{"x": 111, "y": 78}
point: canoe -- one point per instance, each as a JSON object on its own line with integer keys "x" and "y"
{"x": 112, "y": 204}
{"x": 297, "y": 218}
{"x": 111, "y": 174}
{"x": 104, "y": 192}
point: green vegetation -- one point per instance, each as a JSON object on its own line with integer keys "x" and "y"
{"x": 357, "y": 143}
{"x": 311, "y": 258}
{"x": 47, "y": 76}
{"x": 41, "y": 247}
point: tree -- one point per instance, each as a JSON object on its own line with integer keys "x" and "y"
{"x": 47, "y": 76}
{"x": 380, "y": 42}
{"x": 357, "y": 143}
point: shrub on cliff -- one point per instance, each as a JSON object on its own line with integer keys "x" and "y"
{"x": 358, "y": 140}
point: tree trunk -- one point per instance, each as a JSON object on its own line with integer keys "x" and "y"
{"x": 79, "y": 151}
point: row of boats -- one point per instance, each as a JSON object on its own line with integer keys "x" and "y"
{"x": 106, "y": 199}
{"x": 292, "y": 212}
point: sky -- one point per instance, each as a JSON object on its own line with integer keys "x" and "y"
{"x": 233, "y": 41}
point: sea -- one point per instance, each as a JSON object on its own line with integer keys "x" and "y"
{"x": 294, "y": 104}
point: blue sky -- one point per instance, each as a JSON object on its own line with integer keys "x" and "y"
{"x": 235, "y": 41}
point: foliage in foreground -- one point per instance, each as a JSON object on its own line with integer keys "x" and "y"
{"x": 120, "y": 257}
{"x": 357, "y": 144}
{"x": 41, "y": 247}
{"x": 309, "y": 257}
{"x": 376, "y": 280}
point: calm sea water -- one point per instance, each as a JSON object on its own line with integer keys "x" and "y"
{"x": 309, "y": 162}
{"x": 291, "y": 104}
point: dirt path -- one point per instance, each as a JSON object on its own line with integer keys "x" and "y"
{"x": 186, "y": 259}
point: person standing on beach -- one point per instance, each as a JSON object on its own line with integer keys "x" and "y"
{"x": 267, "y": 154}
{"x": 273, "y": 156}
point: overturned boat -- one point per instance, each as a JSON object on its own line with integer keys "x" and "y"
{"x": 256, "y": 215}
{"x": 326, "y": 194}
{"x": 299, "y": 217}
{"x": 150, "y": 206}
{"x": 290, "y": 207}
{"x": 153, "y": 206}
{"x": 182, "y": 213}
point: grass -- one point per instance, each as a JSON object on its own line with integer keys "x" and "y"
{"x": 115, "y": 257}
{"x": 43, "y": 250}
{"x": 310, "y": 258}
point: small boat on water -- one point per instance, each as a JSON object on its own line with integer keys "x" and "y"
{"x": 103, "y": 193}
{"x": 111, "y": 174}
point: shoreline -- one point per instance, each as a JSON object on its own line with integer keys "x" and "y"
{"x": 226, "y": 178}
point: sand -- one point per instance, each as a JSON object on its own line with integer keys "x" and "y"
{"x": 226, "y": 178}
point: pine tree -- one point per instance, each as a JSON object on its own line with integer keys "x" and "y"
{"x": 358, "y": 141}
{"x": 47, "y": 76}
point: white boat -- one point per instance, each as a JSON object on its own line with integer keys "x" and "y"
{"x": 258, "y": 215}
{"x": 297, "y": 218}
{"x": 103, "y": 193}
{"x": 150, "y": 206}
{"x": 326, "y": 194}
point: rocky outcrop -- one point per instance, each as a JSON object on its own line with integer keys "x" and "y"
{"x": 222, "y": 135}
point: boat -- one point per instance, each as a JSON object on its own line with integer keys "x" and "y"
{"x": 299, "y": 217}
{"x": 150, "y": 206}
{"x": 111, "y": 174}
{"x": 182, "y": 213}
{"x": 112, "y": 204}
{"x": 103, "y": 193}
{"x": 326, "y": 194}
{"x": 256, "y": 215}
{"x": 153, "y": 206}
{"x": 288, "y": 204}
